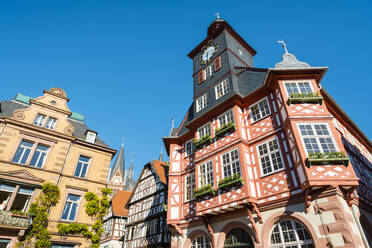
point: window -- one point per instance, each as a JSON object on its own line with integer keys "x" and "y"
{"x": 209, "y": 71}
{"x": 231, "y": 163}
{"x": 201, "y": 242}
{"x": 39, "y": 120}
{"x": 206, "y": 174}
{"x": 39, "y": 156}
{"x": 260, "y": 110}
{"x": 317, "y": 138}
{"x": 190, "y": 185}
{"x": 4, "y": 243}
{"x": 6, "y": 192}
{"x": 153, "y": 226}
{"x": 91, "y": 137}
{"x": 189, "y": 147}
{"x": 62, "y": 246}
{"x": 238, "y": 238}
{"x": 290, "y": 233}
{"x": 51, "y": 123}
{"x": 201, "y": 102}
{"x": 21, "y": 199}
{"x": 70, "y": 209}
{"x": 82, "y": 166}
{"x": 222, "y": 89}
{"x": 204, "y": 130}
{"x": 270, "y": 157}
{"x": 23, "y": 152}
{"x": 226, "y": 118}
{"x": 298, "y": 87}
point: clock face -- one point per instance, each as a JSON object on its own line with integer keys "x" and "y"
{"x": 209, "y": 51}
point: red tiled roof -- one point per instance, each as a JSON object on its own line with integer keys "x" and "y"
{"x": 160, "y": 168}
{"x": 118, "y": 203}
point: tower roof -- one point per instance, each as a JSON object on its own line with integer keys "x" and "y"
{"x": 119, "y": 164}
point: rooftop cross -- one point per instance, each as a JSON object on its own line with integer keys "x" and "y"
{"x": 284, "y": 46}
{"x": 217, "y": 15}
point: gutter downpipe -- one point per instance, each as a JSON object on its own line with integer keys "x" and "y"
{"x": 359, "y": 227}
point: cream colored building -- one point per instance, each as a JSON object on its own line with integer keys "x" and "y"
{"x": 41, "y": 140}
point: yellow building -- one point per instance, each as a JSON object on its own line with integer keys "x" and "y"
{"x": 41, "y": 140}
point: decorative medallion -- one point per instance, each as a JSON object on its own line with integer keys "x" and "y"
{"x": 69, "y": 130}
{"x": 19, "y": 114}
{"x": 207, "y": 52}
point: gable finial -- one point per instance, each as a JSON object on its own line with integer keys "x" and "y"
{"x": 217, "y": 15}
{"x": 172, "y": 122}
{"x": 122, "y": 141}
{"x": 284, "y": 46}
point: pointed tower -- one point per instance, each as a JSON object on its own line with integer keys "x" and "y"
{"x": 117, "y": 173}
{"x": 129, "y": 180}
{"x": 161, "y": 154}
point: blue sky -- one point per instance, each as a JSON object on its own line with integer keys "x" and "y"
{"x": 124, "y": 63}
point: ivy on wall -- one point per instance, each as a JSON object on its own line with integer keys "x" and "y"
{"x": 38, "y": 235}
{"x": 95, "y": 208}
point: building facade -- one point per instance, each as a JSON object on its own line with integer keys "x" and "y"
{"x": 41, "y": 140}
{"x": 265, "y": 157}
{"x": 146, "y": 225}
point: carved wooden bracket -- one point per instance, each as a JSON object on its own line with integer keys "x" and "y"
{"x": 307, "y": 199}
{"x": 179, "y": 230}
{"x": 255, "y": 208}
{"x": 251, "y": 219}
{"x": 350, "y": 196}
{"x": 210, "y": 229}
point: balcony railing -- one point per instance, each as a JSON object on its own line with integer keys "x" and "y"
{"x": 204, "y": 191}
{"x": 206, "y": 139}
{"x": 310, "y": 97}
{"x": 228, "y": 127}
{"x": 227, "y": 182}
{"x": 10, "y": 219}
{"x": 317, "y": 158}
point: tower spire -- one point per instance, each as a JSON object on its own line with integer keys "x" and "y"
{"x": 161, "y": 153}
{"x": 117, "y": 172}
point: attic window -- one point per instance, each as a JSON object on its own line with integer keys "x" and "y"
{"x": 91, "y": 137}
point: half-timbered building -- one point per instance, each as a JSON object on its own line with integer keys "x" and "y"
{"x": 265, "y": 157}
{"x": 146, "y": 225}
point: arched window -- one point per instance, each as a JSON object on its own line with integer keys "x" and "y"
{"x": 238, "y": 238}
{"x": 201, "y": 242}
{"x": 290, "y": 233}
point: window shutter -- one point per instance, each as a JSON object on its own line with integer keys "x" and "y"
{"x": 201, "y": 76}
{"x": 217, "y": 63}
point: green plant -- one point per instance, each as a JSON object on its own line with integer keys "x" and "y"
{"x": 225, "y": 128}
{"x": 202, "y": 141}
{"x": 38, "y": 232}
{"x": 232, "y": 180}
{"x": 18, "y": 212}
{"x": 204, "y": 190}
{"x": 327, "y": 157}
{"x": 96, "y": 208}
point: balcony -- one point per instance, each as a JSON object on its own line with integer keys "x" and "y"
{"x": 206, "y": 139}
{"x": 13, "y": 220}
{"x": 226, "y": 183}
{"x": 317, "y": 158}
{"x": 310, "y": 97}
{"x": 203, "y": 191}
{"x": 228, "y": 127}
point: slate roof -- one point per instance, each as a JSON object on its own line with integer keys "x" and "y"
{"x": 118, "y": 203}
{"x": 8, "y": 107}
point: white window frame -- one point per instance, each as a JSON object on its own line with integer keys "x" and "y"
{"x": 316, "y": 136}
{"x": 205, "y": 243}
{"x": 208, "y": 175}
{"x": 209, "y": 71}
{"x": 296, "y": 243}
{"x": 269, "y": 154}
{"x": 37, "y": 149}
{"x": 224, "y": 115}
{"x": 223, "y": 87}
{"x": 51, "y": 123}
{"x": 39, "y": 120}
{"x": 72, "y": 202}
{"x": 83, "y": 163}
{"x": 201, "y": 102}
{"x": 260, "y": 111}
{"x": 191, "y": 142}
{"x": 230, "y": 163}
{"x": 296, "y": 82}
{"x": 192, "y": 186}
{"x": 204, "y": 130}
{"x": 91, "y": 137}
{"x": 30, "y": 154}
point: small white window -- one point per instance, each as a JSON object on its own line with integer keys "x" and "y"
{"x": 317, "y": 138}
{"x": 201, "y": 242}
{"x": 226, "y": 118}
{"x": 189, "y": 147}
{"x": 204, "y": 130}
{"x": 290, "y": 233}
{"x": 91, "y": 137}
{"x": 209, "y": 71}
{"x": 270, "y": 157}
{"x": 231, "y": 163}
{"x": 260, "y": 110}
{"x": 201, "y": 102}
{"x": 222, "y": 89}
{"x": 206, "y": 174}
{"x": 39, "y": 120}
{"x": 298, "y": 87}
{"x": 51, "y": 123}
{"x": 189, "y": 186}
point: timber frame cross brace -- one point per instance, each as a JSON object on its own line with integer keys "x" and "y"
{"x": 249, "y": 208}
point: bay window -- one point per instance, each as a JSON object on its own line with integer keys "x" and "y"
{"x": 231, "y": 163}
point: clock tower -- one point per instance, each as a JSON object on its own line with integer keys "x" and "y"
{"x": 219, "y": 58}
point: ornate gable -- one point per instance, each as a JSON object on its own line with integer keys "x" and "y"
{"x": 21, "y": 176}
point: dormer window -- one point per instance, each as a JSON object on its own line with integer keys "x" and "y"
{"x": 91, "y": 137}
{"x": 298, "y": 87}
{"x": 39, "y": 120}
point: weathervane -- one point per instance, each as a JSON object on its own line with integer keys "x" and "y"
{"x": 284, "y": 46}
{"x": 217, "y": 15}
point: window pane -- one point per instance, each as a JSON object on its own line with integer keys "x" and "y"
{"x": 23, "y": 152}
{"x": 51, "y": 123}
{"x": 39, "y": 156}
{"x": 39, "y": 120}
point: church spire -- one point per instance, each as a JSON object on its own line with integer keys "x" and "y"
{"x": 117, "y": 172}
{"x": 161, "y": 154}
{"x": 129, "y": 180}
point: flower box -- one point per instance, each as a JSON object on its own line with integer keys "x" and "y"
{"x": 206, "y": 139}
{"x": 10, "y": 219}
{"x": 204, "y": 191}
{"x": 225, "y": 183}
{"x": 230, "y": 126}
{"x": 318, "y": 158}
{"x": 311, "y": 97}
